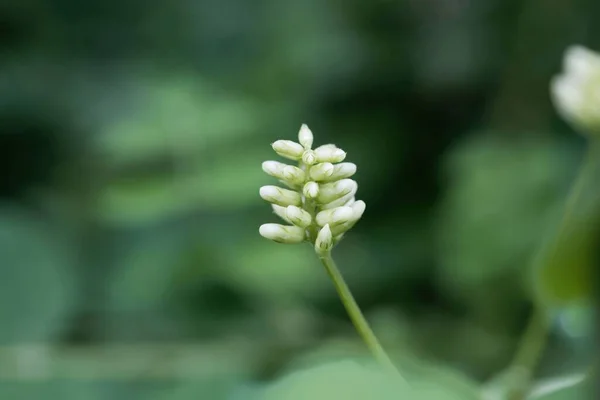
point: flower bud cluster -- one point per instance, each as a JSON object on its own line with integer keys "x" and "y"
{"x": 319, "y": 204}
{"x": 576, "y": 92}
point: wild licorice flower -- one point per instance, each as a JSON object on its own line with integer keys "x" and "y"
{"x": 319, "y": 204}
{"x": 576, "y": 92}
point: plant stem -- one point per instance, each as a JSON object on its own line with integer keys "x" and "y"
{"x": 528, "y": 353}
{"x": 534, "y": 339}
{"x": 356, "y": 315}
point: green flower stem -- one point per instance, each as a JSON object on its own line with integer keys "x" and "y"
{"x": 528, "y": 354}
{"x": 534, "y": 339}
{"x": 356, "y": 315}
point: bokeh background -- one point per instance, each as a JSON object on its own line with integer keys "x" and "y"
{"x": 131, "y": 140}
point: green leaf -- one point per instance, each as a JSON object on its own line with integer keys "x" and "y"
{"x": 178, "y": 117}
{"x": 338, "y": 380}
{"x": 564, "y": 270}
{"x": 228, "y": 183}
{"x": 144, "y": 275}
{"x": 495, "y": 210}
{"x": 275, "y": 271}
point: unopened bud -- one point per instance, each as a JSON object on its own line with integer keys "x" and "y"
{"x": 298, "y": 216}
{"x": 281, "y": 212}
{"x": 324, "y": 241}
{"x": 311, "y": 190}
{"x": 293, "y": 175}
{"x": 329, "y": 153}
{"x": 321, "y": 172}
{"x": 305, "y": 137}
{"x": 288, "y": 149}
{"x": 346, "y": 200}
{"x": 273, "y": 168}
{"x": 279, "y": 196}
{"x": 309, "y": 157}
{"x": 349, "y": 202}
{"x": 341, "y": 171}
{"x": 334, "y": 216}
{"x": 282, "y": 233}
{"x": 288, "y": 173}
{"x": 335, "y": 190}
{"x": 358, "y": 208}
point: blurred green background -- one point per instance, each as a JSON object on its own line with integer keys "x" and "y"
{"x": 131, "y": 140}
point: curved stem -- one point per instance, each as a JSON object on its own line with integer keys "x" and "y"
{"x": 532, "y": 342}
{"x": 585, "y": 171}
{"x": 534, "y": 339}
{"x": 356, "y": 315}
{"x": 529, "y": 351}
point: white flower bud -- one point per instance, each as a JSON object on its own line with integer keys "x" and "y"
{"x": 340, "y": 229}
{"x": 305, "y": 137}
{"x": 309, "y": 157}
{"x": 341, "y": 171}
{"x": 321, "y": 172}
{"x": 288, "y": 149}
{"x": 298, "y": 216}
{"x": 282, "y": 233}
{"x": 350, "y": 201}
{"x": 324, "y": 241}
{"x": 281, "y": 212}
{"x": 358, "y": 208}
{"x": 329, "y": 153}
{"x": 335, "y": 216}
{"x": 581, "y": 61}
{"x": 576, "y": 92}
{"x": 311, "y": 190}
{"x": 335, "y": 190}
{"x": 279, "y": 196}
{"x": 273, "y": 168}
{"x": 346, "y": 200}
{"x": 292, "y": 176}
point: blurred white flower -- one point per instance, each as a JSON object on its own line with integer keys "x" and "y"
{"x": 320, "y": 205}
{"x": 576, "y": 92}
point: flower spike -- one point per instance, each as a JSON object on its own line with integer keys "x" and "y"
{"x": 320, "y": 195}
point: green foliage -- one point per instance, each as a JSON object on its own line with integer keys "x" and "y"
{"x": 351, "y": 380}
{"x": 178, "y": 123}
{"x": 575, "y": 387}
{"x": 56, "y": 389}
{"x": 171, "y": 110}
{"x": 343, "y": 379}
{"x": 503, "y": 195}
{"x": 565, "y": 267}
{"x": 37, "y": 287}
